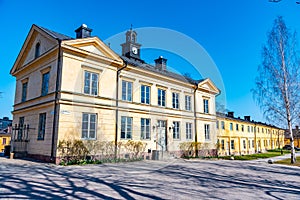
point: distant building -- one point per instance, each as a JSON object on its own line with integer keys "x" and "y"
{"x": 5, "y": 122}
{"x": 296, "y": 136}
{"x": 237, "y": 136}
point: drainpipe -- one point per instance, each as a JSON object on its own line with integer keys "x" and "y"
{"x": 195, "y": 120}
{"x": 117, "y": 106}
{"x": 55, "y": 114}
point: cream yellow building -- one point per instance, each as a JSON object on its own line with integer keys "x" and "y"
{"x": 238, "y": 136}
{"x": 79, "y": 88}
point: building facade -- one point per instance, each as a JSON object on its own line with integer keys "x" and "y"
{"x": 238, "y": 136}
{"x": 78, "y": 88}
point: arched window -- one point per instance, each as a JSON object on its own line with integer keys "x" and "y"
{"x": 37, "y": 50}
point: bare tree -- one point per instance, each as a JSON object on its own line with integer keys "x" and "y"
{"x": 277, "y": 88}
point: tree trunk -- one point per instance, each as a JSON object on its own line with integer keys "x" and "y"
{"x": 293, "y": 157}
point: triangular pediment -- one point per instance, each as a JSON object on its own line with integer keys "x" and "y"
{"x": 93, "y": 45}
{"x": 27, "y": 53}
{"x": 209, "y": 86}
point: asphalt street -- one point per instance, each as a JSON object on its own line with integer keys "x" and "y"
{"x": 172, "y": 179}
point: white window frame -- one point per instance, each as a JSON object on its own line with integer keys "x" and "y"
{"x": 161, "y": 97}
{"x": 145, "y": 129}
{"x": 90, "y": 125}
{"x": 188, "y": 131}
{"x": 176, "y": 130}
{"x": 207, "y": 131}
{"x": 206, "y": 106}
{"x": 126, "y": 90}
{"x": 45, "y": 83}
{"x": 91, "y": 82}
{"x": 146, "y": 94}
{"x": 126, "y": 127}
{"x": 188, "y": 102}
{"x": 175, "y": 100}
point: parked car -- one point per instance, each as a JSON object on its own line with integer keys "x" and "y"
{"x": 288, "y": 147}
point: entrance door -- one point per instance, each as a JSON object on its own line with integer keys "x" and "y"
{"x": 162, "y": 135}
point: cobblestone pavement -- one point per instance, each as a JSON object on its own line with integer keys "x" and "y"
{"x": 173, "y": 179}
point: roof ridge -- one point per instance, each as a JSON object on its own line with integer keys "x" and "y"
{"x": 55, "y": 34}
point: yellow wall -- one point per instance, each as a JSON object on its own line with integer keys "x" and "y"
{"x": 4, "y": 140}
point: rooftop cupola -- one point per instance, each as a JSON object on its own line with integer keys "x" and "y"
{"x": 161, "y": 63}
{"x": 83, "y": 31}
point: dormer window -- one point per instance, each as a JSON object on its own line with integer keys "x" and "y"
{"x": 37, "y": 50}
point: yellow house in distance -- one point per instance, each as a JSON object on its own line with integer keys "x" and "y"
{"x": 78, "y": 88}
{"x": 4, "y": 140}
{"x": 238, "y": 136}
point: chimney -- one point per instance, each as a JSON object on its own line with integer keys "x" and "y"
{"x": 297, "y": 127}
{"x": 83, "y": 31}
{"x": 161, "y": 63}
{"x": 230, "y": 114}
{"x": 247, "y": 118}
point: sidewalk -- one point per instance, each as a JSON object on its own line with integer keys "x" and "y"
{"x": 277, "y": 158}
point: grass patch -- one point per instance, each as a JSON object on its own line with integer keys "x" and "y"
{"x": 288, "y": 162}
{"x": 268, "y": 154}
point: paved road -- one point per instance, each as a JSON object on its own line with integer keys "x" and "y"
{"x": 176, "y": 179}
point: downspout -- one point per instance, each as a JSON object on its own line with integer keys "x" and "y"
{"x": 117, "y": 106}
{"x": 55, "y": 114}
{"x": 195, "y": 121}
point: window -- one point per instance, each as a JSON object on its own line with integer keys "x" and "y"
{"x": 217, "y": 124}
{"x": 4, "y": 141}
{"x": 24, "y": 91}
{"x": 206, "y": 132}
{"x": 161, "y": 97}
{"x": 223, "y": 125}
{"x": 175, "y": 100}
{"x": 126, "y": 127}
{"x": 188, "y": 131}
{"x": 145, "y": 94}
{"x": 42, "y": 125}
{"x": 237, "y": 127}
{"x": 231, "y": 126}
{"x": 89, "y": 121}
{"x": 126, "y": 91}
{"x": 248, "y": 129}
{"x": 187, "y": 102}
{"x": 222, "y": 144}
{"x": 252, "y": 143}
{"x": 257, "y": 129}
{"x": 145, "y": 128}
{"x": 232, "y": 144}
{"x": 90, "y": 83}
{"x": 37, "y": 50}
{"x": 21, "y": 126}
{"x": 176, "y": 134}
{"x": 244, "y": 144}
{"x": 45, "y": 84}
{"x": 262, "y": 130}
{"x": 205, "y": 106}
{"x": 252, "y": 129}
{"x": 242, "y": 128}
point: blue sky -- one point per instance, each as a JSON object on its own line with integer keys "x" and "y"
{"x": 232, "y": 32}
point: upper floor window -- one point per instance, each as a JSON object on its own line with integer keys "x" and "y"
{"x": 188, "y": 130}
{"x": 217, "y": 124}
{"x": 223, "y": 125}
{"x": 145, "y": 128}
{"x": 176, "y": 133}
{"x": 187, "y": 102}
{"x": 231, "y": 126}
{"x": 126, "y": 127}
{"x": 37, "y": 50}
{"x": 175, "y": 100}
{"x": 126, "y": 90}
{"x": 89, "y": 122}
{"x": 205, "y": 106}
{"x": 161, "y": 97}
{"x": 45, "y": 84}
{"x": 207, "y": 131}
{"x": 232, "y": 144}
{"x": 4, "y": 141}
{"x": 42, "y": 126}
{"x": 145, "y": 94}
{"x": 258, "y": 129}
{"x": 248, "y": 129}
{"x": 237, "y": 127}
{"x": 90, "y": 83}
{"x": 24, "y": 91}
{"x": 242, "y": 128}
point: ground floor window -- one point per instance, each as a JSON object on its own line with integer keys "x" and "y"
{"x": 188, "y": 130}
{"x": 222, "y": 144}
{"x": 206, "y": 132}
{"x": 89, "y": 121}
{"x": 126, "y": 127}
{"x": 145, "y": 128}
{"x": 244, "y": 144}
{"x": 176, "y": 134}
{"x": 42, "y": 125}
{"x": 232, "y": 144}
